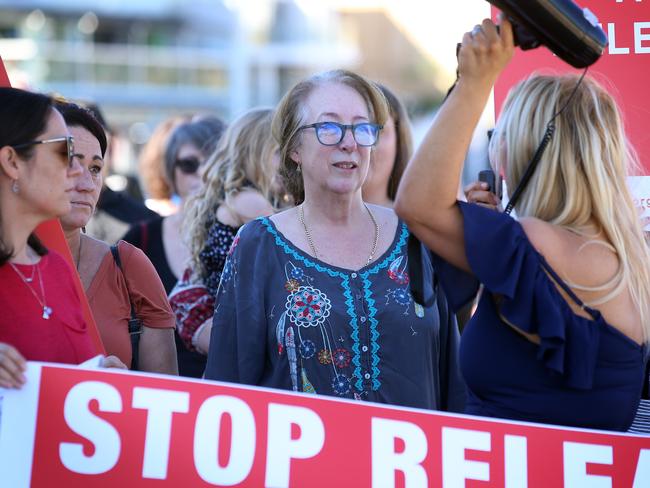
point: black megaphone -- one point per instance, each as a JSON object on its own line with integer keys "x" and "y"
{"x": 571, "y": 32}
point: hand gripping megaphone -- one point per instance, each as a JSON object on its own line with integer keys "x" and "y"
{"x": 571, "y": 32}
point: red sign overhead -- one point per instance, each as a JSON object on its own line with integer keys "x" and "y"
{"x": 624, "y": 68}
{"x": 4, "y": 78}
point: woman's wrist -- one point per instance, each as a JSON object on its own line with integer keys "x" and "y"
{"x": 475, "y": 89}
{"x": 201, "y": 337}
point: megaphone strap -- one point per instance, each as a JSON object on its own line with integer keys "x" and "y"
{"x": 539, "y": 152}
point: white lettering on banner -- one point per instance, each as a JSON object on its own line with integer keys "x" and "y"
{"x": 639, "y": 37}
{"x": 282, "y": 448}
{"x": 160, "y": 406}
{"x": 296, "y": 433}
{"x": 385, "y": 461}
{"x": 642, "y": 474}
{"x": 576, "y": 457}
{"x": 103, "y": 436}
{"x": 207, "y": 432}
{"x": 515, "y": 450}
{"x": 455, "y": 468}
{"x": 611, "y": 37}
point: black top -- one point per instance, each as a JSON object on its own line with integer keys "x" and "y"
{"x": 148, "y": 237}
{"x": 123, "y": 207}
{"x": 215, "y": 251}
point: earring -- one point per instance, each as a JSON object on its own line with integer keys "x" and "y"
{"x": 83, "y": 229}
{"x": 14, "y": 187}
{"x": 298, "y": 169}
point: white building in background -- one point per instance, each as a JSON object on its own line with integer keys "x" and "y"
{"x": 143, "y": 59}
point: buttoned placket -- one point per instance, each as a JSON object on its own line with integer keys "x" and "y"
{"x": 356, "y": 285}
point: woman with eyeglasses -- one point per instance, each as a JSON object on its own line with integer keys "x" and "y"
{"x": 161, "y": 239}
{"x": 316, "y": 298}
{"x": 114, "y": 291}
{"x": 41, "y": 315}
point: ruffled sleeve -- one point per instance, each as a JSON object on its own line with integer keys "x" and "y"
{"x": 502, "y": 258}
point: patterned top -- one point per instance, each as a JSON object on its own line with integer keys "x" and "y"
{"x": 214, "y": 253}
{"x": 192, "y": 299}
{"x": 287, "y": 320}
{"x": 583, "y": 373}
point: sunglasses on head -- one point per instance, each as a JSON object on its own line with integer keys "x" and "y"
{"x": 69, "y": 140}
{"x": 188, "y": 165}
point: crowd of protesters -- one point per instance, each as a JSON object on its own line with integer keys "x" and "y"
{"x": 282, "y": 263}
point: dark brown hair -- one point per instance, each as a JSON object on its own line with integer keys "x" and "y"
{"x": 76, "y": 116}
{"x": 23, "y": 117}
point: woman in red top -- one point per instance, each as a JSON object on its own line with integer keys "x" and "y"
{"x": 41, "y": 314}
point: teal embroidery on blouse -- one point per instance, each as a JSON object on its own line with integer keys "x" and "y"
{"x": 374, "y": 334}
{"x": 347, "y": 293}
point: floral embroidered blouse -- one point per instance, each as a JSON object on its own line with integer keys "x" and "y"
{"x": 286, "y": 320}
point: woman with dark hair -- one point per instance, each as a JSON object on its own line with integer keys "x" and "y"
{"x": 41, "y": 313}
{"x": 187, "y": 149}
{"x": 113, "y": 289}
{"x": 389, "y": 157}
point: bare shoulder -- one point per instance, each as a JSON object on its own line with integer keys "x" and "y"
{"x": 584, "y": 260}
{"x": 542, "y": 235}
{"x": 250, "y": 204}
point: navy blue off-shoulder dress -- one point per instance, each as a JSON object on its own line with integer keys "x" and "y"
{"x": 583, "y": 373}
{"x": 286, "y": 320}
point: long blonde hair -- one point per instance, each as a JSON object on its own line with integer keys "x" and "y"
{"x": 581, "y": 177}
{"x": 242, "y": 158}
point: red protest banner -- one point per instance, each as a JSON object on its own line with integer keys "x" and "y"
{"x": 623, "y": 69}
{"x": 79, "y": 428}
{"x": 4, "y": 78}
{"x": 51, "y": 234}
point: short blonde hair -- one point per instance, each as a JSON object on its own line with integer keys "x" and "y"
{"x": 242, "y": 158}
{"x": 289, "y": 117}
{"x": 582, "y": 174}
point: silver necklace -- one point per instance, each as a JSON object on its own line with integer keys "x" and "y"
{"x": 310, "y": 240}
{"x": 31, "y": 278}
{"x": 79, "y": 253}
{"x": 47, "y": 311}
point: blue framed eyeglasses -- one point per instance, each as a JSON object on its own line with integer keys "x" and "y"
{"x": 69, "y": 140}
{"x": 332, "y": 133}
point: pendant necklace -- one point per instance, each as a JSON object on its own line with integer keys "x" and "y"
{"x": 310, "y": 241}
{"x": 47, "y": 311}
